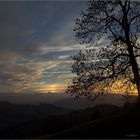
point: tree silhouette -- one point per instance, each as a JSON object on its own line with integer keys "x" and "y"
{"x": 110, "y": 30}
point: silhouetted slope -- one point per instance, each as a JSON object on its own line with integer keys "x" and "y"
{"x": 59, "y": 123}
{"x": 123, "y": 125}
{"x": 13, "y": 115}
{"x": 45, "y": 125}
{"x": 49, "y": 121}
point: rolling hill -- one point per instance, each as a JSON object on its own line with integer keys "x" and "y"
{"x": 24, "y": 124}
{"x": 124, "y": 125}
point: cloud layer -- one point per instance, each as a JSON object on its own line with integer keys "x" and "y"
{"x": 36, "y": 42}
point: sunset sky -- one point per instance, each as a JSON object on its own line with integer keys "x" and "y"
{"x": 36, "y": 42}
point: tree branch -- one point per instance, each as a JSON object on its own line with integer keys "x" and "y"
{"x": 137, "y": 16}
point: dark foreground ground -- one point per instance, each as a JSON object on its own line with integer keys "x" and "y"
{"x": 48, "y": 121}
{"x": 125, "y": 124}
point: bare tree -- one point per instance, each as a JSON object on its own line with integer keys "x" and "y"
{"x": 110, "y": 29}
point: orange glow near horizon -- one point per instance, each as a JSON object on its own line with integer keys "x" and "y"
{"x": 119, "y": 88}
{"x": 115, "y": 89}
{"x": 53, "y": 88}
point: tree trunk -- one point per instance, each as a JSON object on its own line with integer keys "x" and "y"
{"x": 135, "y": 72}
{"x": 134, "y": 65}
{"x": 133, "y": 61}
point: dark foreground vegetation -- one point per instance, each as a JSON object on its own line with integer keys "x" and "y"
{"x": 48, "y": 121}
{"x": 125, "y": 124}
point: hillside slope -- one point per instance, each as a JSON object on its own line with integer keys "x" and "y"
{"x": 33, "y": 127}
{"x": 123, "y": 125}
{"x": 13, "y": 115}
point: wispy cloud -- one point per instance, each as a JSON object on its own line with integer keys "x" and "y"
{"x": 36, "y": 42}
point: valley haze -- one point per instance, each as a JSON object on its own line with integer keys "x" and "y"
{"x": 60, "y": 99}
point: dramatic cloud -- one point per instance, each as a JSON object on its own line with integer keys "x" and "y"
{"x": 36, "y": 42}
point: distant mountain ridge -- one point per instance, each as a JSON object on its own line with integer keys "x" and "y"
{"x": 12, "y": 114}
{"x": 30, "y": 121}
{"x": 32, "y": 98}
{"x": 61, "y": 99}
{"x": 113, "y": 99}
